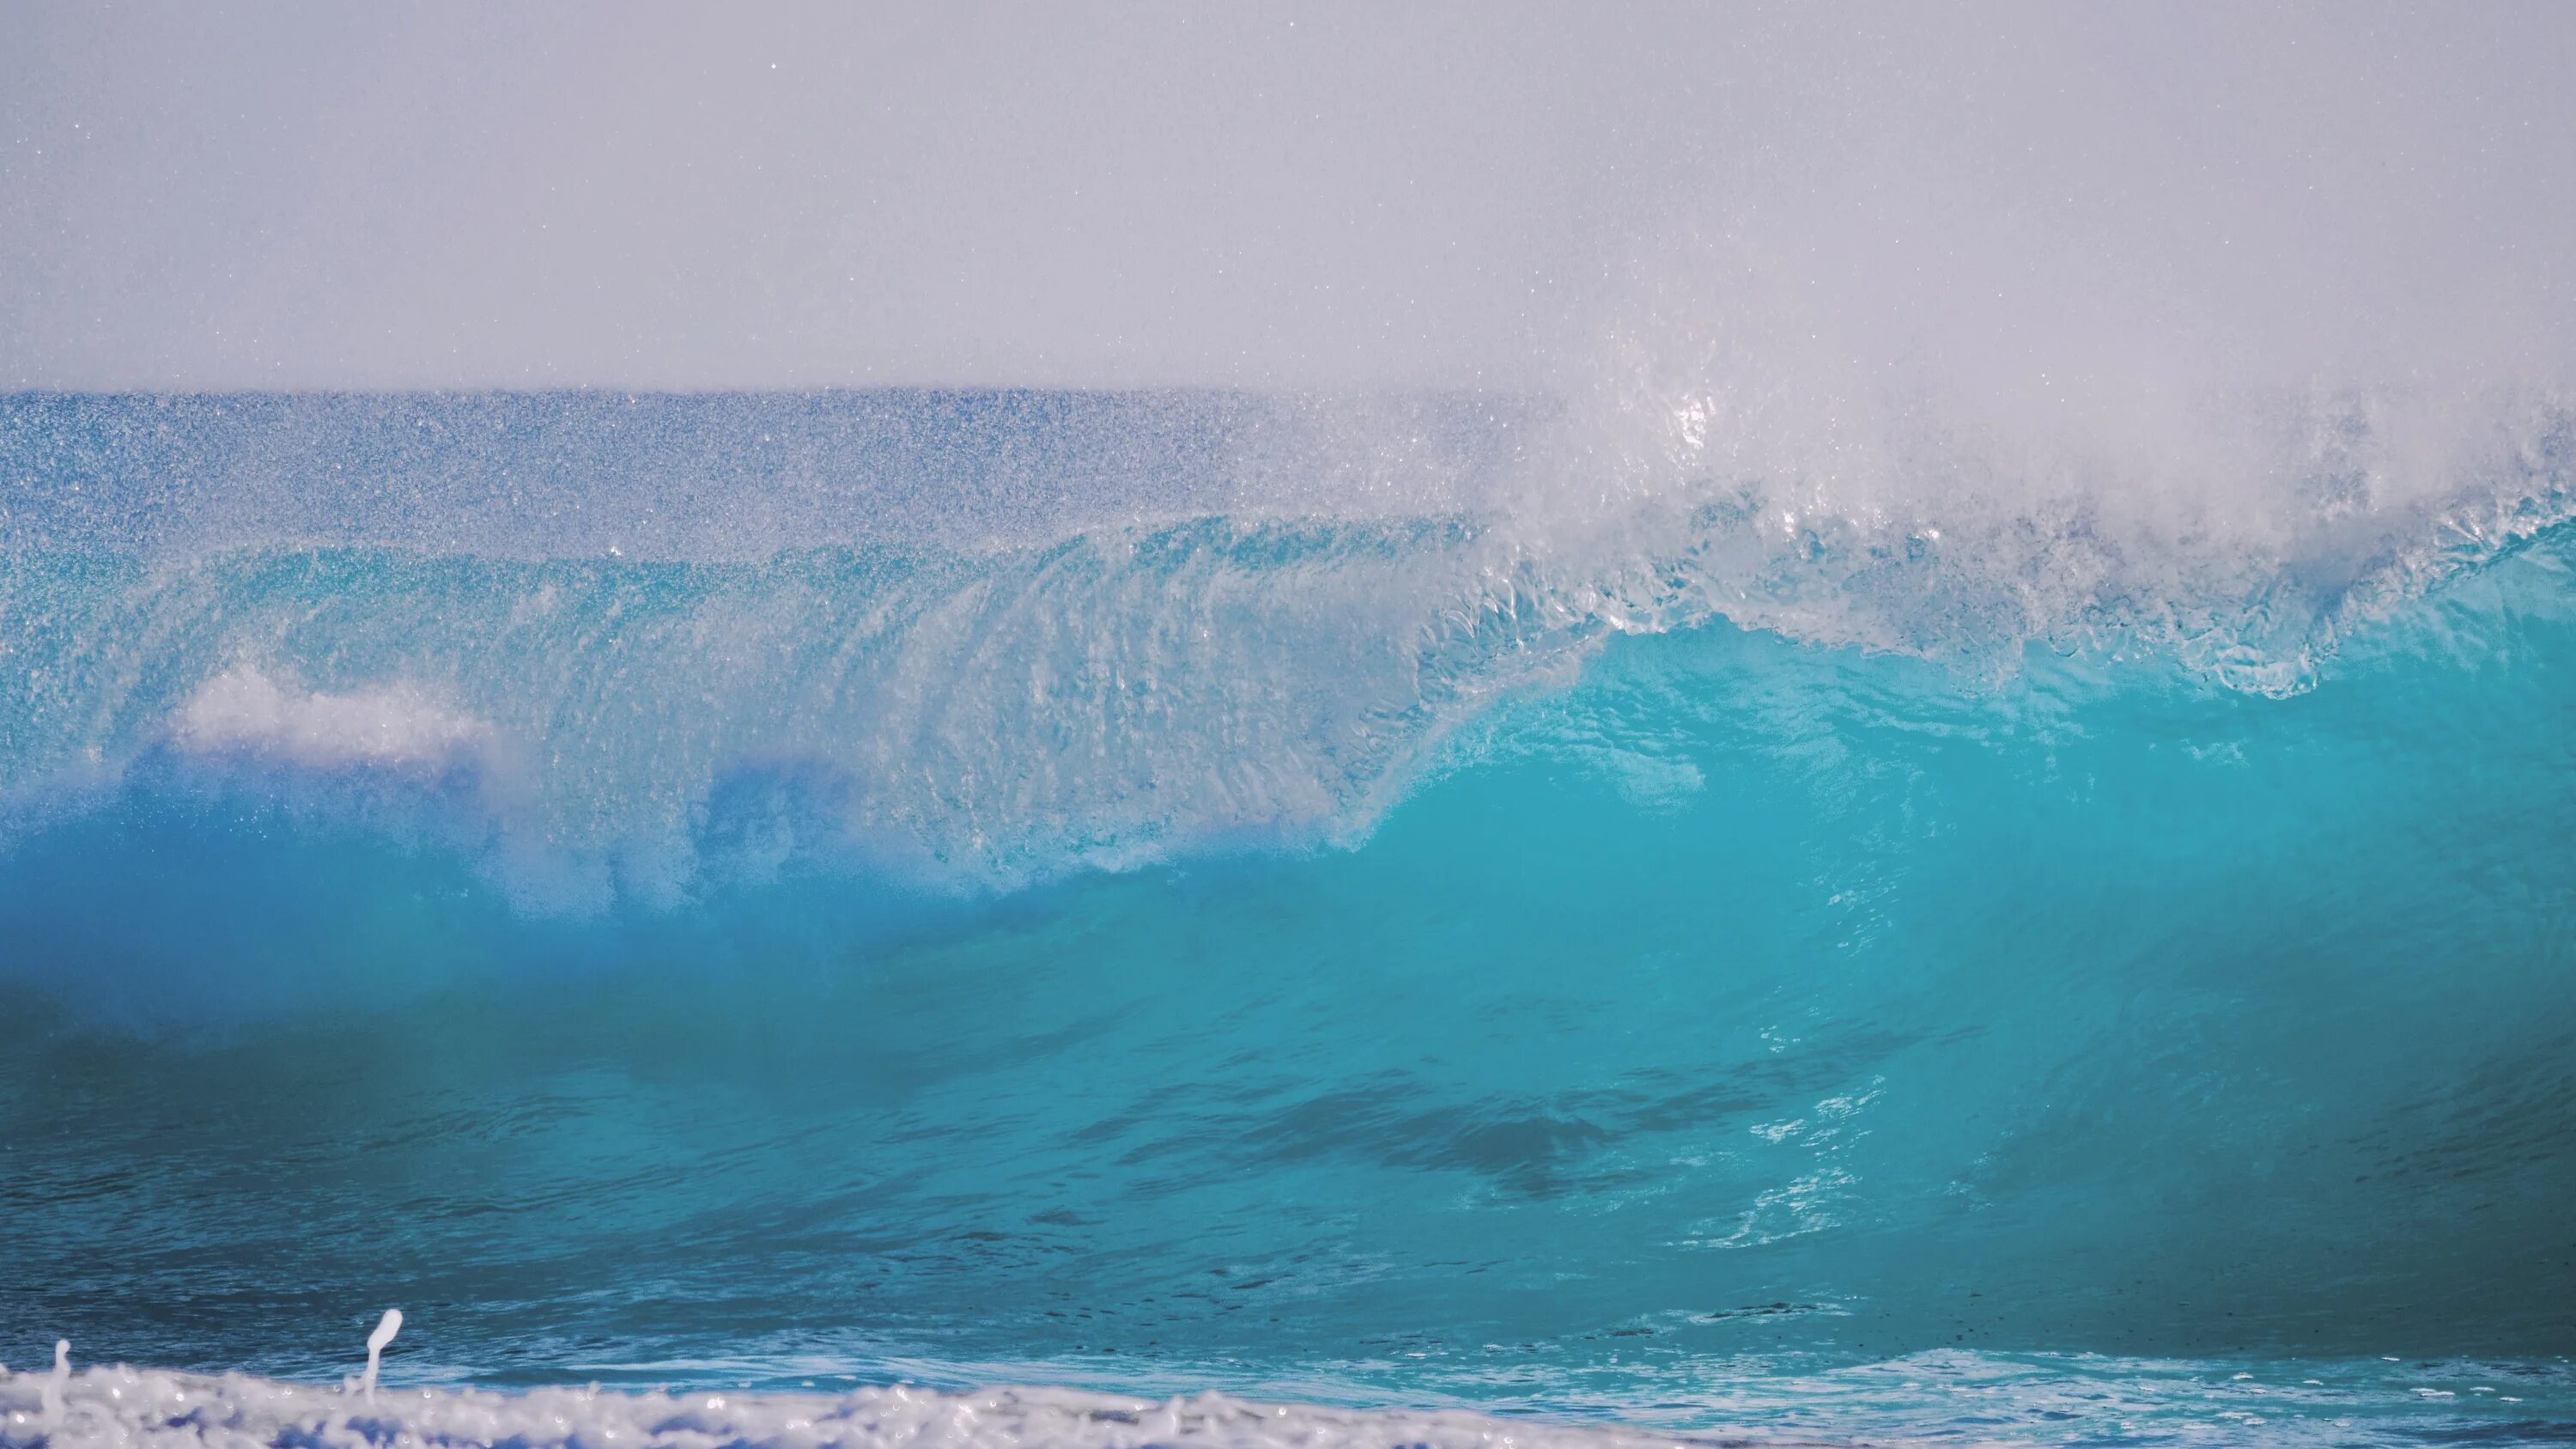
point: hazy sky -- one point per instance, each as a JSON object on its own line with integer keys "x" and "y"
{"x": 287, "y": 195}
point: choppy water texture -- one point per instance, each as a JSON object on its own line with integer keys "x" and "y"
{"x": 1727, "y": 959}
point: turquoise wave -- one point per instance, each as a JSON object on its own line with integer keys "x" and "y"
{"x": 1339, "y": 959}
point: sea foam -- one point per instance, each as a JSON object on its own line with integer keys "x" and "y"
{"x": 127, "y": 1406}
{"x": 1949, "y": 1397}
{"x": 243, "y": 710}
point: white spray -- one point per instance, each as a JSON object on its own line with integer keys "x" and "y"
{"x": 386, "y": 1328}
{"x": 62, "y": 1376}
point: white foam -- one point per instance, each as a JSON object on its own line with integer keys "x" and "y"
{"x": 127, "y": 1406}
{"x": 243, "y": 711}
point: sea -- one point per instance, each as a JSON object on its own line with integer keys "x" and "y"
{"x": 990, "y": 918}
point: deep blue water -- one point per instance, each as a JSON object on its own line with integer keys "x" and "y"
{"x": 1293, "y": 955}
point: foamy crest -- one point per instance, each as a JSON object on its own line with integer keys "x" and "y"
{"x": 1131, "y": 689}
{"x": 243, "y": 711}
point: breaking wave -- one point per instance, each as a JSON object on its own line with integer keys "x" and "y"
{"x": 1726, "y": 927}
{"x": 997, "y": 711}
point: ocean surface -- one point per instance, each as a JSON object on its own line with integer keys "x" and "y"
{"x": 1185, "y": 918}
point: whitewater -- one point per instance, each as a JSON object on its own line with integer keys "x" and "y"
{"x": 999, "y": 918}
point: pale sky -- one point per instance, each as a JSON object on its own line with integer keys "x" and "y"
{"x": 451, "y": 195}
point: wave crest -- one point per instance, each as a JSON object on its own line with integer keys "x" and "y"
{"x": 996, "y": 714}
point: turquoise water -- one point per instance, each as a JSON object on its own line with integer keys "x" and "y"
{"x": 1302, "y": 958}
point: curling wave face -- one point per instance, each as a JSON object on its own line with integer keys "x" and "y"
{"x": 1427, "y": 943}
{"x": 1119, "y": 674}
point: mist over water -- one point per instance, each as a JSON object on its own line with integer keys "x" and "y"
{"x": 1802, "y": 721}
{"x": 2025, "y": 208}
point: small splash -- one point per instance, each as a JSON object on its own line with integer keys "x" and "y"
{"x": 386, "y": 1328}
{"x": 52, "y": 1399}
